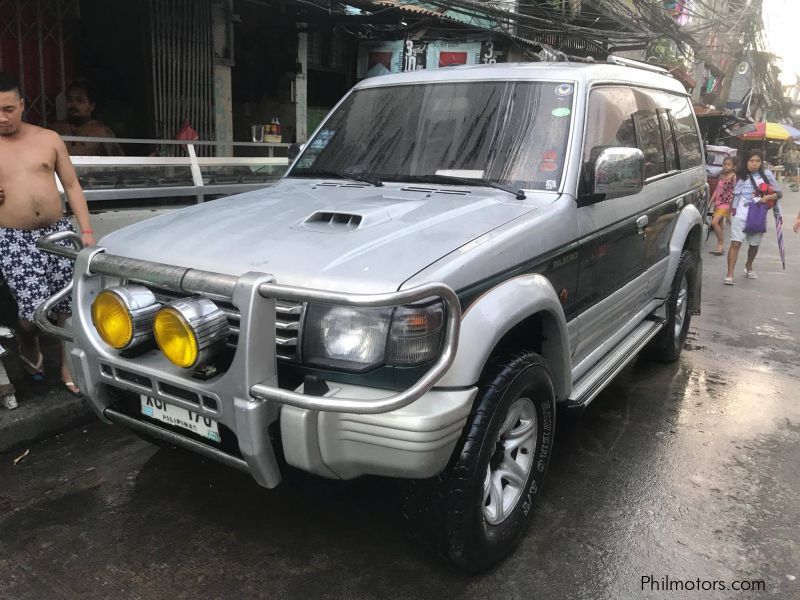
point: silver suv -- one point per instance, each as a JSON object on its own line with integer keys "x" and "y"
{"x": 453, "y": 253}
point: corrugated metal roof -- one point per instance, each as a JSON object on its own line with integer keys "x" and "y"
{"x": 463, "y": 16}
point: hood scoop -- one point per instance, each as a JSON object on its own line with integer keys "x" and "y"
{"x": 356, "y": 216}
{"x": 323, "y": 220}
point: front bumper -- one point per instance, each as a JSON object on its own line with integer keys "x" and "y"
{"x": 335, "y": 435}
{"x": 411, "y": 442}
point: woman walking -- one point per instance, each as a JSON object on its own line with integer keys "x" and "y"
{"x": 722, "y": 198}
{"x": 754, "y": 185}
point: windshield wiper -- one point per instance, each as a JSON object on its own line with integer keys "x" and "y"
{"x": 343, "y": 175}
{"x": 518, "y": 194}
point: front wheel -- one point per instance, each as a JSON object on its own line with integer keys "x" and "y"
{"x": 475, "y": 513}
{"x": 668, "y": 343}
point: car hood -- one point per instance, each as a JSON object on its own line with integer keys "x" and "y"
{"x": 333, "y": 235}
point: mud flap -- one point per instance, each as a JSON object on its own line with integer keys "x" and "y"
{"x": 698, "y": 283}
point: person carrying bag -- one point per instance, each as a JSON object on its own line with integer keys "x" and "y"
{"x": 755, "y": 193}
{"x": 757, "y": 213}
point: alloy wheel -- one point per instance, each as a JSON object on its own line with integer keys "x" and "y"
{"x": 681, "y": 308}
{"x": 511, "y": 462}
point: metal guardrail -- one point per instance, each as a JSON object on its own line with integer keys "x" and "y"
{"x": 189, "y": 178}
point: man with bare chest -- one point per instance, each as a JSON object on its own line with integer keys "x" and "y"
{"x": 30, "y": 207}
{"x": 80, "y": 106}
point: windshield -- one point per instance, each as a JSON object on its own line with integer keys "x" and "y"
{"x": 511, "y": 133}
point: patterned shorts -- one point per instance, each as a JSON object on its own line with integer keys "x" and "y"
{"x": 32, "y": 275}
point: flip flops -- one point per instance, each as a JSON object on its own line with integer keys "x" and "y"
{"x": 727, "y": 280}
{"x": 34, "y": 370}
{"x": 716, "y": 252}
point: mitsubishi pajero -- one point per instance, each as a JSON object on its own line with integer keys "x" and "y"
{"x": 453, "y": 253}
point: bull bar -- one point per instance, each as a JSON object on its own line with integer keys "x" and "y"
{"x": 221, "y": 286}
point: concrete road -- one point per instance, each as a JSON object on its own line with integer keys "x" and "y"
{"x": 686, "y": 471}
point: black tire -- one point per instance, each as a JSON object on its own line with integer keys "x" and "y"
{"x": 448, "y": 514}
{"x": 666, "y": 346}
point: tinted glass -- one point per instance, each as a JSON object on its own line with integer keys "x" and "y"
{"x": 648, "y": 134}
{"x": 661, "y": 124}
{"x": 609, "y": 121}
{"x": 514, "y": 133}
{"x": 669, "y": 139}
{"x": 690, "y": 151}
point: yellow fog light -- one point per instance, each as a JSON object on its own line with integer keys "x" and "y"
{"x": 175, "y": 337}
{"x": 123, "y": 315}
{"x": 189, "y": 332}
{"x": 112, "y": 319}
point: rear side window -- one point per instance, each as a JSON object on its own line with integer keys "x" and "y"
{"x": 648, "y": 135}
{"x": 690, "y": 151}
{"x": 669, "y": 139}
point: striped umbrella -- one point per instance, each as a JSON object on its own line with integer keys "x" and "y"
{"x": 771, "y": 131}
{"x": 776, "y": 212}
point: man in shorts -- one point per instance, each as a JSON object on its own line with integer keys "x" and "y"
{"x": 30, "y": 207}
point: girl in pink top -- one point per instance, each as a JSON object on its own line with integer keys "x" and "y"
{"x": 722, "y": 198}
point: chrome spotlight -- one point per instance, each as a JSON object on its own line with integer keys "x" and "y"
{"x": 123, "y": 315}
{"x": 190, "y": 331}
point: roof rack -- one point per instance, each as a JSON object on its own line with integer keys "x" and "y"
{"x": 636, "y": 64}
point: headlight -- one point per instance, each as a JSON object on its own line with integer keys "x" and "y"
{"x": 357, "y": 339}
{"x": 123, "y": 315}
{"x": 190, "y": 332}
{"x": 346, "y": 338}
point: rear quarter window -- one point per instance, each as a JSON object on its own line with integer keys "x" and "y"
{"x": 690, "y": 151}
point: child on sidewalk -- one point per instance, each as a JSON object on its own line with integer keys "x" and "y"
{"x": 722, "y": 198}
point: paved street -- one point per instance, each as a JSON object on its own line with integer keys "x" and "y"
{"x": 684, "y": 471}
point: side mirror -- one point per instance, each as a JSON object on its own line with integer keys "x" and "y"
{"x": 294, "y": 150}
{"x": 618, "y": 172}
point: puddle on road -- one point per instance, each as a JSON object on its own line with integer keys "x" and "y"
{"x": 687, "y": 466}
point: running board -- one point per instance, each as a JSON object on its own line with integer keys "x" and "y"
{"x": 601, "y": 374}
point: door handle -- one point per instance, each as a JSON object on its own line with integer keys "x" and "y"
{"x": 641, "y": 223}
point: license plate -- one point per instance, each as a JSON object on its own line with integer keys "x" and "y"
{"x": 180, "y": 417}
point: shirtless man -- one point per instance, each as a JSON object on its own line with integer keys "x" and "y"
{"x": 30, "y": 207}
{"x": 80, "y": 106}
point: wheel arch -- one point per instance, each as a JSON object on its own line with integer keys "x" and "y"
{"x": 523, "y": 313}
{"x": 687, "y": 235}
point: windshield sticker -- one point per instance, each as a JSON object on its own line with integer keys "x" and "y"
{"x": 462, "y": 173}
{"x": 550, "y": 184}
{"x": 548, "y": 164}
{"x": 561, "y": 111}
{"x": 564, "y": 89}
{"x": 321, "y": 139}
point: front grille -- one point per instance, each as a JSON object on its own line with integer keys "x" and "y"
{"x": 288, "y": 319}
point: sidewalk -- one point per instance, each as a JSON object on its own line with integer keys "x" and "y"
{"x": 45, "y": 408}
